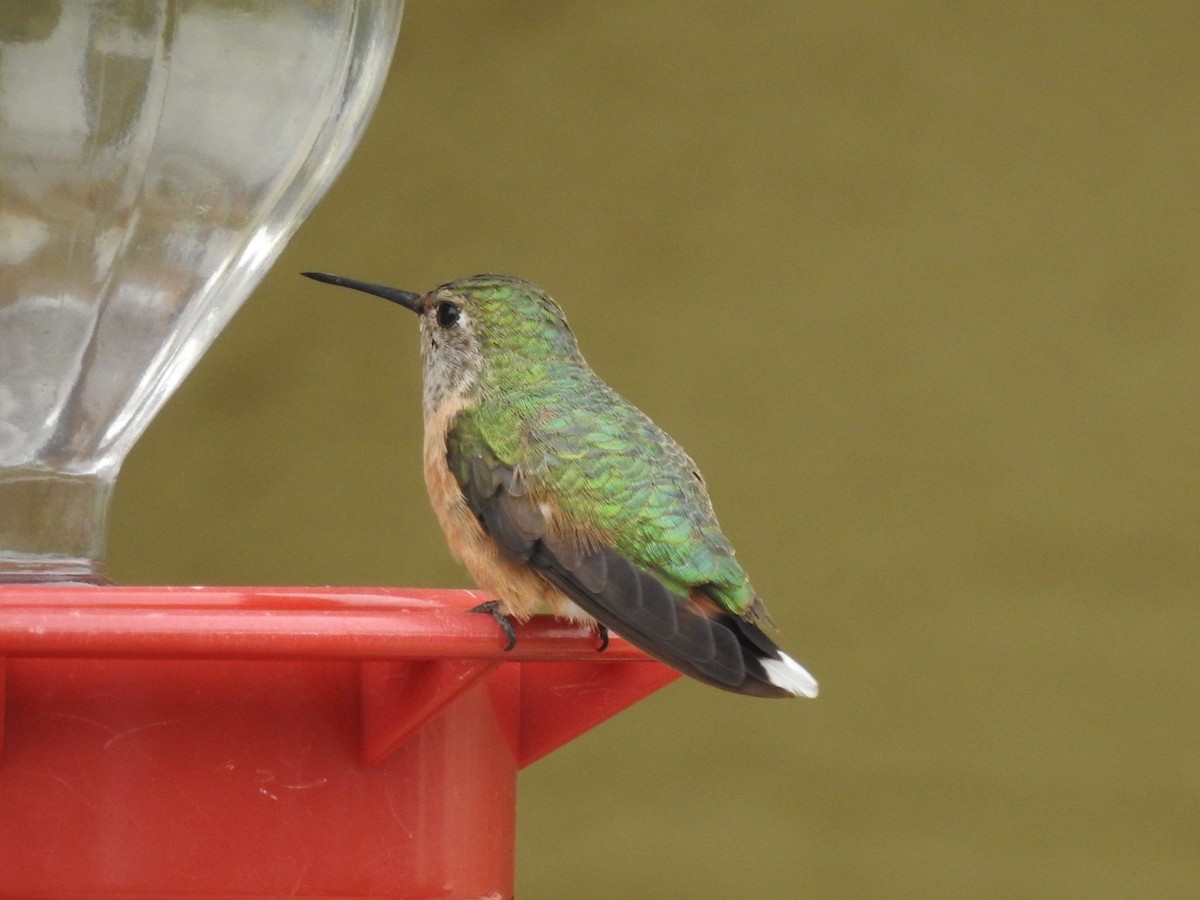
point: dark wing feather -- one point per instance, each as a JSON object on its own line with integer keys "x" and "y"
{"x": 712, "y": 646}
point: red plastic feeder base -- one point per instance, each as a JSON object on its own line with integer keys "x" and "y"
{"x": 168, "y": 742}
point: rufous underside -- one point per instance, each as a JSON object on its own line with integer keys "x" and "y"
{"x": 519, "y": 589}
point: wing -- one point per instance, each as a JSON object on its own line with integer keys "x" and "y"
{"x": 681, "y": 625}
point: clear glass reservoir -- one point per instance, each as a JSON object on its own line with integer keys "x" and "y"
{"x": 154, "y": 159}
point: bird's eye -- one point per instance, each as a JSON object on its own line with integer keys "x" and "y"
{"x": 447, "y": 314}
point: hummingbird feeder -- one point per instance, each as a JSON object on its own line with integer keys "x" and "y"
{"x": 180, "y": 741}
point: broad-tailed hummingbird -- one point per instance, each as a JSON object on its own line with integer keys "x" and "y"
{"x": 556, "y": 493}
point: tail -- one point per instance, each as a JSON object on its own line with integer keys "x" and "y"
{"x": 708, "y": 643}
{"x": 721, "y": 650}
{"x": 770, "y": 671}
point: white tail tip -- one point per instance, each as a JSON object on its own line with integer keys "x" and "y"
{"x": 788, "y": 674}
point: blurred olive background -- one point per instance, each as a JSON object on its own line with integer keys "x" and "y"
{"x": 916, "y": 284}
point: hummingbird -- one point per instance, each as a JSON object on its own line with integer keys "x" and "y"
{"x": 556, "y": 493}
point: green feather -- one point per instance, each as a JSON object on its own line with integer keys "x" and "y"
{"x": 610, "y": 471}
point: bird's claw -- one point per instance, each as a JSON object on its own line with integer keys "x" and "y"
{"x": 602, "y": 633}
{"x": 492, "y": 608}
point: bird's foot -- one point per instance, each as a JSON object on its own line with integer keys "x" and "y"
{"x": 492, "y": 608}
{"x": 602, "y": 634}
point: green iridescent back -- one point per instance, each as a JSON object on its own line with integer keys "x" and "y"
{"x": 576, "y": 443}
